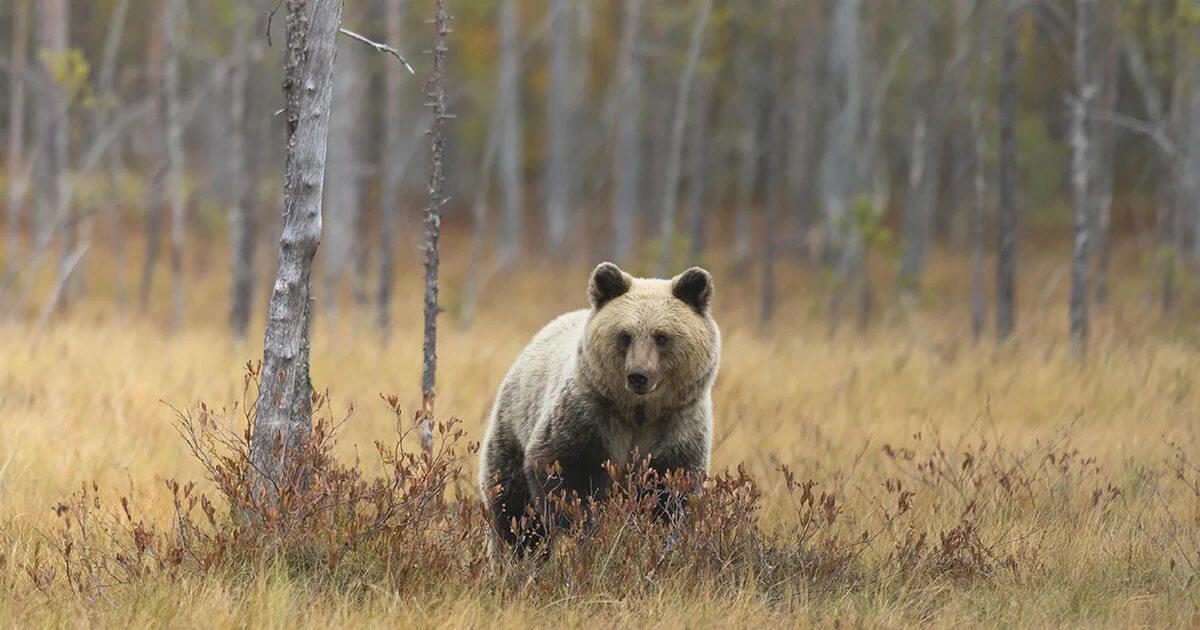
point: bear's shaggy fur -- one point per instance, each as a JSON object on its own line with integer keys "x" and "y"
{"x": 633, "y": 372}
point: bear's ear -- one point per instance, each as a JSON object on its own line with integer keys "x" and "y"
{"x": 694, "y": 287}
{"x": 608, "y": 282}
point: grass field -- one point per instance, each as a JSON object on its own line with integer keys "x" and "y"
{"x": 1046, "y": 492}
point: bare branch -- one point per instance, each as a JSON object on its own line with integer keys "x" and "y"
{"x": 1150, "y": 130}
{"x": 383, "y": 48}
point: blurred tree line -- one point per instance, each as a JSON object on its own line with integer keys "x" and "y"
{"x": 650, "y": 132}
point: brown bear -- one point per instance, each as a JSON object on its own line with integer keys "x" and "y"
{"x": 635, "y": 371}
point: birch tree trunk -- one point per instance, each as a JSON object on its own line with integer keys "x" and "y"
{"x": 772, "y": 197}
{"x": 283, "y": 413}
{"x": 698, "y": 179}
{"x": 106, "y": 92}
{"x": 52, "y": 133}
{"x": 1081, "y": 166}
{"x": 803, "y": 127}
{"x": 1164, "y": 127}
{"x": 511, "y": 149}
{"x": 175, "y": 167}
{"x": 559, "y": 167}
{"x": 343, "y": 193}
{"x": 241, "y": 221}
{"x": 16, "y": 135}
{"x": 983, "y": 62}
{"x": 678, "y": 126}
{"x": 748, "y": 148}
{"x": 392, "y": 172}
{"x": 627, "y": 152}
{"x": 1006, "y": 211}
{"x": 917, "y": 208}
{"x": 839, "y": 165}
{"x": 156, "y": 141}
{"x": 1104, "y": 153}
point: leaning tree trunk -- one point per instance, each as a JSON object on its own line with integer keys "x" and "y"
{"x": 16, "y": 135}
{"x": 283, "y": 413}
{"x": 678, "y": 126}
{"x": 174, "y": 128}
{"x": 1081, "y": 167}
{"x": 1006, "y": 211}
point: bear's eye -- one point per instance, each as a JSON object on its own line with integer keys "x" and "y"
{"x": 625, "y": 339}
{"x": 660, "y": 339}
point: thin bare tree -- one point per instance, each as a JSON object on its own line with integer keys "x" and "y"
{"x": 343, "y": 190}
{"x": 626, "y": 111}
{"x": 240, "y": 215}
{"x": 839, "y": 167}
{"x": 803, "y": 125}
{"x": 1163, "y": 128}
{"x": 172, "y": 27}
{"x": 16, "y": 134}
{"x": 436, "y": 94}
{"x": 979, "y": 134}
{"x": 678, "y": 126}
{"x": 748, "y": 113}
{"x": 774, "y": 181}
{"x": 1082, "y": 164}
{"x": 156, "y": 150}
{"x": 393, "y": 171}
{"x": 511, "y": 150}
{"x": 1105, "y": 151}
{"x": 106, "y": 94}
{"x": 917, "y": 209}
{"x": 52, "y": 128}
{"x": 699, "y": 150}
{"x": 283, "y": 412}
{"x": 1006, "y": 209}
{"x": 559, "y": 166}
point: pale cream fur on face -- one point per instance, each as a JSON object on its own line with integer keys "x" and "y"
{"x": 649, "y": 330}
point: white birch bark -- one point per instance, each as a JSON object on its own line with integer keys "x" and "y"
{"x": 1081, "y": 167}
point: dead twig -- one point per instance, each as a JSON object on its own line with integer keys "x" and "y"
{"x": 383, "y": 48}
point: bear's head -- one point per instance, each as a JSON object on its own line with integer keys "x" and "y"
{"x": 651, "y": 343}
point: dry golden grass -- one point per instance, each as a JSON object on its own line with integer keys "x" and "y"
{"x": 84, "y": 400}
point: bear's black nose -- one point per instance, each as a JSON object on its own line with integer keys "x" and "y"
{"x": 637, "y": 379}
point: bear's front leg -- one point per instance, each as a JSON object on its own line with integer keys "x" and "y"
{"x": 563, "y": 461}
{"x": 679, "y": 458}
